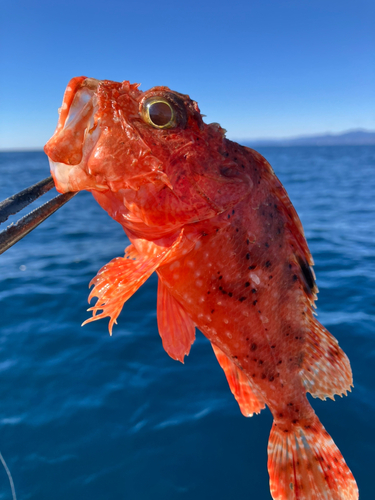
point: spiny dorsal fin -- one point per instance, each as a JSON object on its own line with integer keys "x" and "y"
{"x": 292, "y": 219}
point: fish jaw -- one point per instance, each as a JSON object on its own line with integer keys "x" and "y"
{"x": 75, "y": 137}
{"x": 90, "y": 126}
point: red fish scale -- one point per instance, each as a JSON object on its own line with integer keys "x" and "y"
{"x": 240, "y": 315}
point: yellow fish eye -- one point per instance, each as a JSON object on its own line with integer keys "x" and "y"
{"x": 159, "y": 113}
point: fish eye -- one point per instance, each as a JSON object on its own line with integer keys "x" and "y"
{"x": 159, "y": 113}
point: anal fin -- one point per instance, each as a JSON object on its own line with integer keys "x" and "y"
{"x": 326, "y": 368}
{"x": 239, "y": 384}
{"x": 176, "y": 328}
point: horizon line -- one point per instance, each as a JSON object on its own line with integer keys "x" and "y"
{"x": 243, "y": 139}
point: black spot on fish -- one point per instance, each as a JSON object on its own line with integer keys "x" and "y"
{"x": 230, "y": 294}
{"x": 247, "y": 284}
{"x": 307, "y": 275}
{"x": 242, "y": 299}
{"x": 268, "y": 263}
{"x": 253, "y": 290}
{"x": 248, "y": 256}
{"x": 252, "y": 267}
{"x": 255, "y": 301}
{"x": 253, "y": 347}
{"x": 266, "y": 245}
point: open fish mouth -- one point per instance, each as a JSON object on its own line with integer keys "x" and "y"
{"x": 74, "y": 139}
{"x": 75, "y": 153}
{"x": 76, "y": 134}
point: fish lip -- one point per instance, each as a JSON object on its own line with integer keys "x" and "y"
{"x": 71, "y": 90}
{"x": 67, "y": 148}
{"x": 77, "y": 110}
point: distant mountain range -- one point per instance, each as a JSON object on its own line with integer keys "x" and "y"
{"x": 351, "y": 138}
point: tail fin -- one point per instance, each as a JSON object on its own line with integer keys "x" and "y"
{"x": 305, "y": 464}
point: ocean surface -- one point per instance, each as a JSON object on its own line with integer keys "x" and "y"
{"x": 87, "y": 416}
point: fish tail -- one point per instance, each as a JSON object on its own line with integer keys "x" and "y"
{"x": 305, "y": 464}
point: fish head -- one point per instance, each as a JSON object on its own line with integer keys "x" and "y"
{"x": 146, "y": 155}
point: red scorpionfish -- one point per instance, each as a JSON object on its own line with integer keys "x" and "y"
{"x": 215, "y": 223}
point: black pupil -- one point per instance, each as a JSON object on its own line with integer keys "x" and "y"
{"x": 160, "y": 113}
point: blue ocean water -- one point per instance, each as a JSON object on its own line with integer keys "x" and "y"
{"x": 85, "y": 415}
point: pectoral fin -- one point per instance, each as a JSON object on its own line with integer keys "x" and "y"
{"x": 118, "y": 280}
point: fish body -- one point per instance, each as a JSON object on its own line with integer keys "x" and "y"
{"x": 215, "y": 223}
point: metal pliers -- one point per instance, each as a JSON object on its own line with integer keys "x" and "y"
{"x": 17, "y": 202}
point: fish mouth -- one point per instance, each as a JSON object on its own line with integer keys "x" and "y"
{"x": 76, "y": 134}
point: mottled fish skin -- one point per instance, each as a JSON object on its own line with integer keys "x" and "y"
{"x": 215, "y": 223}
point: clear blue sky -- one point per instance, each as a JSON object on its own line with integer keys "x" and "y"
{"x": 261, "y": 68}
